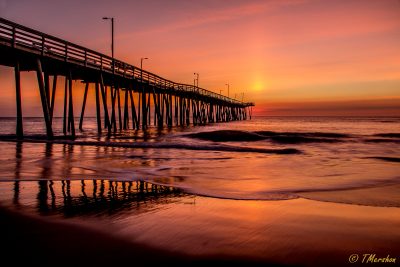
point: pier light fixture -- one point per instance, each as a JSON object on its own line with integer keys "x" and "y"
{"x": 141, "y": 67}
{"x": 112, "y": 34}
{"x": 228, "y": 88}
{"x": 141, "y": 61}
{"x": 196, "y": 79}
{"x": 112, "y": 37}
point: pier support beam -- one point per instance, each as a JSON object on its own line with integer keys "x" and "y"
{"x": 65, "y": 106}
{"x": 71, "y": 123}
{"x": 135, "y": 123}
{"x": 144, "y": 109}
{"x": 113, "y": 116}
{"x": 84, "y": 105}
{"x": 126, "y": 113}
{"x": 148, "y": 109}
{"x": 43, "y": 97}
{"x": 139, "y": 110}
{"x": 117, "y": 94}
{"x": 47, "y": 86}
{"x": 53, "y": 96}
{"x": 98, "y": 115}
{"x": 104, "y": 97}
{"x": 20, "y": 131}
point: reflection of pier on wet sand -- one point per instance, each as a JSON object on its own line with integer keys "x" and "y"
{"x": 80, "y": 197}
{"x": 54, "y": 242}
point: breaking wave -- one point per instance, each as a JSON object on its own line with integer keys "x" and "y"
{"x": 161, "y": 145}
{"x": 382, "y": 193}
{"x": 277, "y": 137}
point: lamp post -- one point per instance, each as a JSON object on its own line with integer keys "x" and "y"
{"x": 242, "y": 96}
{"x": 112, "y": 38}
{"x": 228, "y": 88}
{"x": 141, "y": 67}
{"x": 220, "y": 91}
{"x": 196, "y": 79}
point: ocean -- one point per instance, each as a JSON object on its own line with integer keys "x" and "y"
{"x": 274, "y": 189}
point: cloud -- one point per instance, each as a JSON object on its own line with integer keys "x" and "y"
{"x": 358, "y": 107}
{"x": 186, "y": 19}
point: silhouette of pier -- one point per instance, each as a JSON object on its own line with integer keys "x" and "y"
{"x": 126, "y": 96}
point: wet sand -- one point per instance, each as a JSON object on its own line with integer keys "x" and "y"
{"x": 220, "y": 232}
{"x": 30, "y": 240}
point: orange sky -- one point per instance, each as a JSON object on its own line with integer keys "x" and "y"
{"x": 291, "y": 57}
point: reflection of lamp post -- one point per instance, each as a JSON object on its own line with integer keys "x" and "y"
{"x": 112, "y": 38}
{"x": 196, "y": 79}
{"x": 228, "y": 88}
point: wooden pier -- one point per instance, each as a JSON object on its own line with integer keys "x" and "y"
{"x": 126, "y": 96}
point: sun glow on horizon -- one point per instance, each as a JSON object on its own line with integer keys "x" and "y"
{"x": 258, "y": 84}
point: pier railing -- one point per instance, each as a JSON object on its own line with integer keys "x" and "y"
{"x": 24, "y": 38}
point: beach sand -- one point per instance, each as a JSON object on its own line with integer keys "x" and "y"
{"x": 222, "y": 232}
{"x": 29, "y": 240}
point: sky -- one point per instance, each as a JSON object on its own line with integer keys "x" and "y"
{"x": 290, "y": 57}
